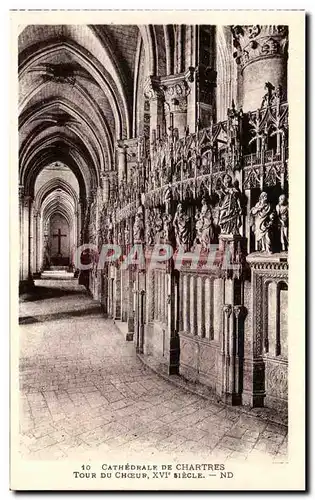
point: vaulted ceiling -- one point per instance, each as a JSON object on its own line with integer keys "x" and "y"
{"x": 77, "y": 94}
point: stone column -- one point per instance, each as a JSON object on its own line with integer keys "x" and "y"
{"x": 130, "y": 313}
{"x": 21, "y": 221}
{"x": 261, "y": 52}
{"x": 173, "y": 349}
{"x": 36, "y": 242}
{"x": 121, "y": 160}
{"x": 177, "y": 88}
{"x": 82, "y": 211}
{"x": 155, "y": 94}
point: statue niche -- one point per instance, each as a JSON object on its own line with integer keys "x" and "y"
{"x": 282, "y": 210}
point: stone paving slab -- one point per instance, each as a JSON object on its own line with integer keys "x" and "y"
{"x": 84, "y": 390}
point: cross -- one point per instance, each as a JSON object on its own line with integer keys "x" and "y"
{"x": 59, "y": 236}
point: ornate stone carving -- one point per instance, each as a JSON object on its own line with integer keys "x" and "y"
{"x": 230, "y": 210}
{"x": 168, "y": 196}
{"x": 181, "y": 227}
{"x": 282, "y": 210}
{"x": 149, "y": 229}
{"x": 258, "y": 41}
{"x": 109, "y": 234}
{"x": 61, "y": 72}
{"x": 263, "y": 223}
{"x": 127, "y": 234}
{"x": 176, "y": 95}
{"x": 277, "y": 379}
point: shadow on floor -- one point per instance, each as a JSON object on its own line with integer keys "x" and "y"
{"x": 42, "y": 318}
{"x": 45, "y": 292}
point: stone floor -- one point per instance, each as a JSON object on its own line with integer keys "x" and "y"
{"x": 83, "y": 392}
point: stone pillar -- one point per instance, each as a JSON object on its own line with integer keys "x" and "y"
{"x": 230, "y": 374}
{"x": 192, "y": 63}
{"x": 111, "y": 293}
{"x": 117, "y": 307}
{"x": 26, "y": 232}
{"x": 261, "y": 52}
{"x": 104, "y": 292}
{"x": 21, "y": 232}
{"x": 82, "y": 211}
{"x": 193, "y": 306}
{"x": 155, "y": 94}
{"x": 173, "y": 356}
{"x": 105, "y": 185}
{"x": 113, "y": 185}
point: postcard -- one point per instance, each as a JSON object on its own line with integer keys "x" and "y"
{"x": 157, "y": 250}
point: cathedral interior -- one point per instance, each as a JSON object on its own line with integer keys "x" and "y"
{"x": 145, "y": 137}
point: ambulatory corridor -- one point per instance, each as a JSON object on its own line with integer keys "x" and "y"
{"x": 84, "y": 391}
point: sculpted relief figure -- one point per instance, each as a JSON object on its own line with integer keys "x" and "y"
{"x": 262, "y": 223}
{"x": 168, "y": 197}
{"x": 167, "y": 228}
{"x": 230, "y": 210}
{"x": 138, "y": 227}
{"x": 282, "y": 210}
{"x": 181, "y": 227}
{"x": 204, "y": 226}
{"x": 158, "y": 225}
{"x": 150, "y": 228}
{"x": 198, "y": 226}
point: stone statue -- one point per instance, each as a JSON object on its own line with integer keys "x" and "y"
{"x": 110, "y": 231}
{"x": 119, "y": 237}
{"x": 230, "y": 210}
{"x": 167, "y": 228}
{"x": 282, "y": 210}
{"x": 207, "y": 231}
{"x": 198, "y": 226}
{"x": 263, "y": 221}
{"x": 168, "y": 198}
{"x": 181, "y": 227}
{"x": 46, "y": 254}
{"x": 127, "y": 234}
{"x": 138, "y": 227}
{"x": 149, "y": 228}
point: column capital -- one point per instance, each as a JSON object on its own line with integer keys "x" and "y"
{"x": 176, "y": 88}
{"x": 153, "y": 89}
{"x": 255, "y": 42}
